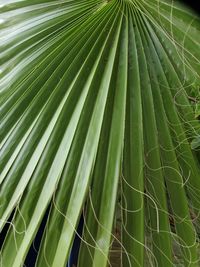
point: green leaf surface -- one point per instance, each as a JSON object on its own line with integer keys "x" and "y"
{"x": 99, "y": 108}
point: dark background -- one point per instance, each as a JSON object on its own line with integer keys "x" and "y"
{"x": 195, "y": 5}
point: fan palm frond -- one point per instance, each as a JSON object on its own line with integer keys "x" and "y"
{"x": 98, "y": 118}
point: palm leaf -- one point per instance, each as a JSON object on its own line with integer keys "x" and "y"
{"x": 98, "y": 118}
